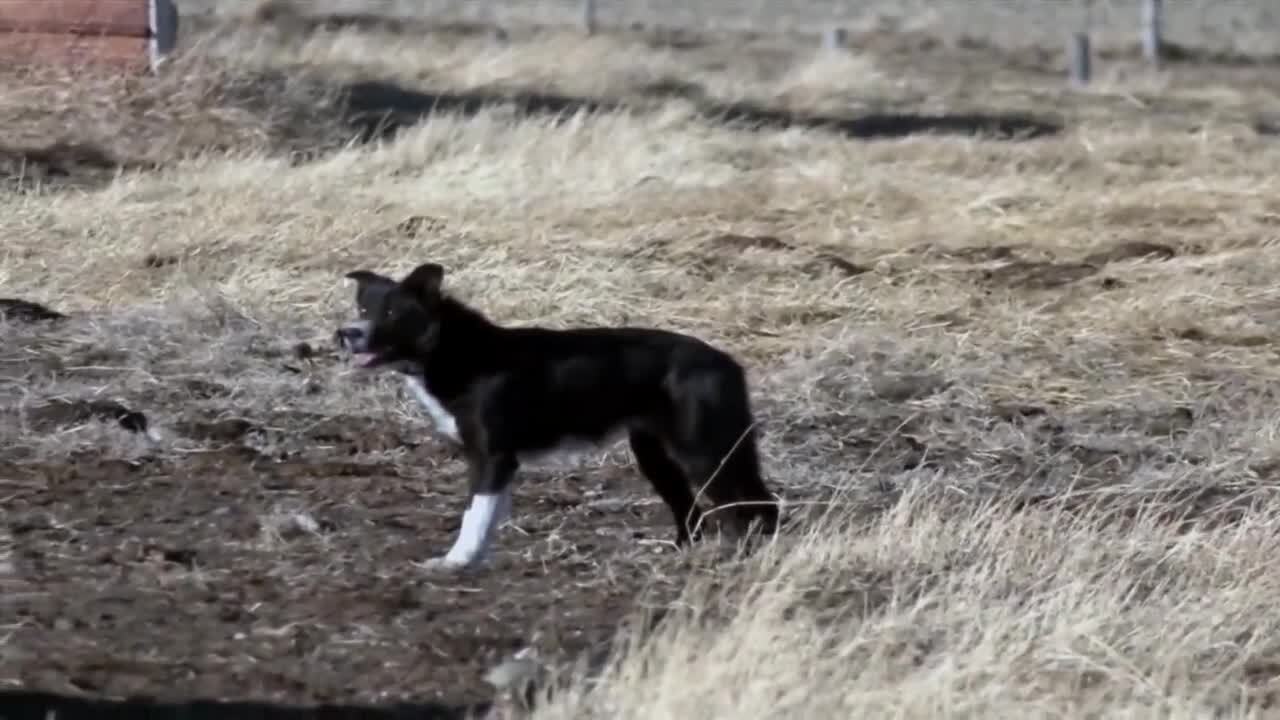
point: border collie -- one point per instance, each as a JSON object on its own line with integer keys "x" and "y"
{"x": 505, "y": 395}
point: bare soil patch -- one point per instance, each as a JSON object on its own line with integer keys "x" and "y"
{"x": 293, "y": 579}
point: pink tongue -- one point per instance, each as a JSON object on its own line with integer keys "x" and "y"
{"x": 364, "y": 359}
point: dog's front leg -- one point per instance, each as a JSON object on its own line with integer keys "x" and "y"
{"x": 490, "y": 507}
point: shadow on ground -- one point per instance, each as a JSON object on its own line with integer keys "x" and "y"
{"x": 59, "y": 165}
{"x": 23, "y": 704}
{"x": 375, "y": 110}
{"x": 378, "y": 110}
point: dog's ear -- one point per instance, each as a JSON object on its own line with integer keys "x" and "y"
{"x": 425, "y": 280}
{"x": 363, "y": 277}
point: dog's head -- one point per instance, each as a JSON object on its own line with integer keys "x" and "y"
{"x": 398, "y": 322}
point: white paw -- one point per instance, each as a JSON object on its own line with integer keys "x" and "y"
{"x": 443, "y": 565}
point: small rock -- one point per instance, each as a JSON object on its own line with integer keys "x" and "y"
{"x": 1134, "y": 250}
{"x": 737, "y": 242}
{"x": 900, "y": 388}
{"x": 226, "y": 430}
{"x": 152, "y": 261}
{"x": 415, "y": 225}
{"x": 409, "y": 598}
{"x": 516, "y": 679}
{"x": 847, "y": 267}
{"x": 304, "y": 522}
{"x": 289, "y": 525}
{"x": 179, "y": 556}
{"x": 66, "y": 412}
{"x": 18, "y": 310}
{"x": 134, "y": 421}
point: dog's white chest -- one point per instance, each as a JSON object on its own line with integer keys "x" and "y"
{"x": 444, "y": 422}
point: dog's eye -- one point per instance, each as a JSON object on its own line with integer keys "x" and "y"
{"x": 362, "y": 310}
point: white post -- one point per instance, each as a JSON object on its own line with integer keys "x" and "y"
{"x": 1152, "y": 29}
{"x": 1078, "y": 59}
{"x": 164, "y": 31}
{"x": 835, "y": 38}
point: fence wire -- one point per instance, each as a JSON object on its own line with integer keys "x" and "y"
{"x": 1246, "y": 27}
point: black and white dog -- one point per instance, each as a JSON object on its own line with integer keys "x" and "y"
{"x": 508, "y": 394}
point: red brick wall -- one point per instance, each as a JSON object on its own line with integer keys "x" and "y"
{"x": 75, "y": 32}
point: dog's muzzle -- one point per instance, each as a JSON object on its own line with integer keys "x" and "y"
{"x": 353, "y": 338}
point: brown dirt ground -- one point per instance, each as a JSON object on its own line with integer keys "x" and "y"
{"x": 283, "y": 571}
{"x": 119, "y": 559}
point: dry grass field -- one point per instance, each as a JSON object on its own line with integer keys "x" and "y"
{"x": 1012, "y": 347}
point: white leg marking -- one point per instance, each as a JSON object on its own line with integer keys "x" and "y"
{"x": 445, "y": 423}
{"x": 481, "y": 520}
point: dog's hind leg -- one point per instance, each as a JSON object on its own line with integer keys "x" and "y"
{"x": 670, "y": 483}
{"x": 715, "y": 443}
{"x": 737, "y": 480}
{"x": 729, "y": 474}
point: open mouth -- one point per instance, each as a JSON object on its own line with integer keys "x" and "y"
{"x": 365, "y": 359}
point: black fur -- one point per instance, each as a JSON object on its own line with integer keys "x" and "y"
{"x": 683, "y": 403}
